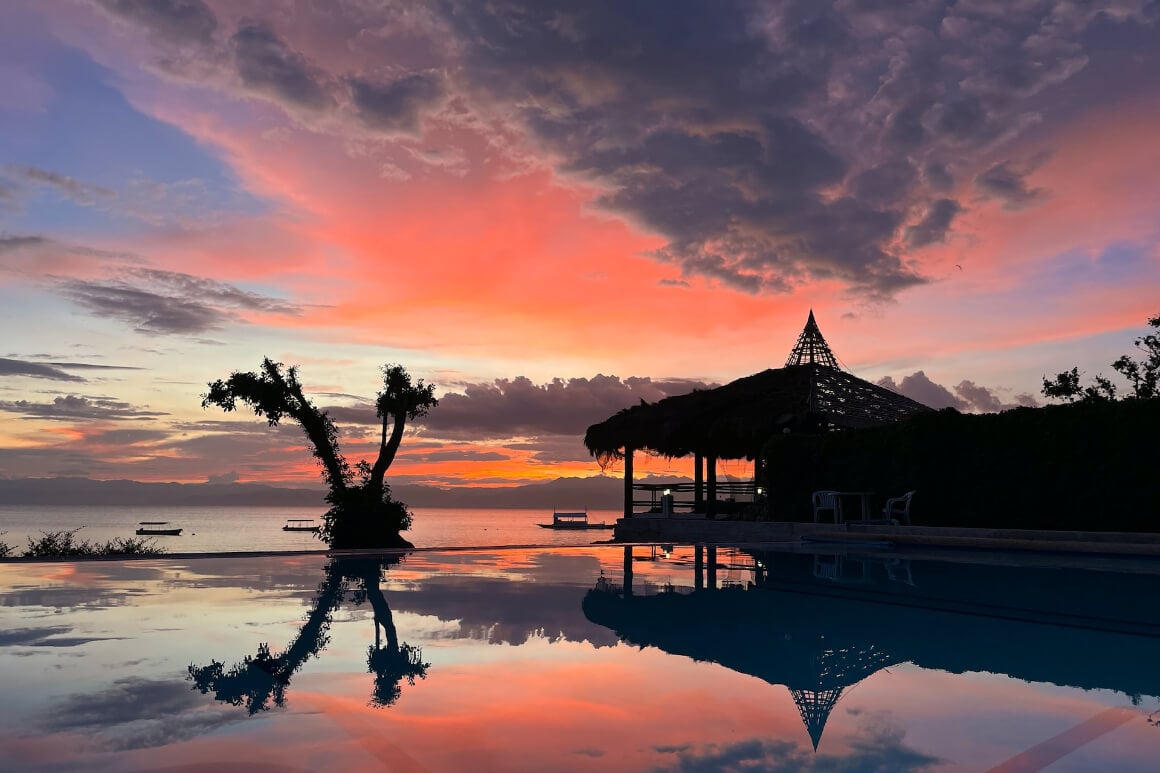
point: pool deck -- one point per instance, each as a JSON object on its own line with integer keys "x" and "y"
{"x": 685, "y": 529}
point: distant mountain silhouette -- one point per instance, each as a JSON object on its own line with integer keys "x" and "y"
{"x": 596, "y": 493}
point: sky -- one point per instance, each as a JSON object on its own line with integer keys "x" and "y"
{"x": 551, "y": 211}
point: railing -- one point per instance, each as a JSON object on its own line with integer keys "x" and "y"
{"x": 684, "y": 494}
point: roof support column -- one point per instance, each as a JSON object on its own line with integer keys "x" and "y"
{"x": 711, "y": 485}
{"x": 711, "y": 566}
{"x": 698, "y": 482}
{"x": 628, "y": 570}
{"x": 628, "y": 451}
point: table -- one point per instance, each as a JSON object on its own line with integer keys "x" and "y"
{"x": 864, "y": 496}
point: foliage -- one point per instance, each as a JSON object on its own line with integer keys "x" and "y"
{"x": 1143, "y": 375}
{"x": 272, "y": 395}
{"x": 64, "y": 544}
{"x": 359, "y": 518}
{"x": 5, "y": 548}
{"x": 1088, "y": 465}
{"x": 262, "y": 679}
{"x": 362, "y": 513}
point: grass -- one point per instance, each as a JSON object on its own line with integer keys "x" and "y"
{"x": 64, "y": 544}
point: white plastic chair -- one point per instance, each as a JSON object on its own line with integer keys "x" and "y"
{"x": 898, "y": 508}
{"x": 827, "y": 500}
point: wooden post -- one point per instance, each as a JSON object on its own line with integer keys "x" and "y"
{"x": 711, "y": 485}
{"x": 698, "y": 566}
{"x": 711, "y": 566}
{"x": 628, "y": 570}
{"x": 698, "y": 483}
{"x": 628, "y": 481}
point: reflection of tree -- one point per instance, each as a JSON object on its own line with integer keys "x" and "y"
{"x": 392, "y": 662}
{"x": 261, "y": 678}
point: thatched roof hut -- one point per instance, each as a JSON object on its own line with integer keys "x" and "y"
{"x": 811, "y": 393}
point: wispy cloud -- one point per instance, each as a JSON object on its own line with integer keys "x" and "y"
{"x": 51, "y": 371}
{"x": 80, "y": 192}
{"x": 166, "y": 302}
{"x": 77, "y": 407}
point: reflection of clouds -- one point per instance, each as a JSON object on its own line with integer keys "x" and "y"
{"x": 541, "y": 599}
{"x": 62, "y": 597}
{"x": 496, "y": 596}
{"x": 30, "y": 635}
{"x": 504, "y": 612}
{"x": 877, "y": 746}
{"x": 93, "y": 585}
{"x": 135, "y": 713}
{"x": 46, "y": 637}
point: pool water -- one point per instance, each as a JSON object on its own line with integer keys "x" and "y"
{"x": 582, "y": 658}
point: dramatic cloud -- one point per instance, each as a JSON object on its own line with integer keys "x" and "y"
{"x": 166, "y": 302}
{"x": 770, "y": 145}
{"x": 1008, "y": 185}
{"x": 918, "y": 387}
{"x": 934, "y": 224}
{"x": 9, "y": 367}
{"x": 269, "y": 67}
{"x": 754, "y": 139}
{"x": 395, "y": 106}
{"x": 179, "y": 21}
{"x": 75, "y": 407}
{"x": 967, "y": 395}
{"x": 984, "y": 400}
{"x": 511, "y": 407}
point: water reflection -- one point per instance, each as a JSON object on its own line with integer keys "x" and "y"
{"x": 820, "y": 624}
{"x": 578, "y": 659}
{"x": 263, "y": 678}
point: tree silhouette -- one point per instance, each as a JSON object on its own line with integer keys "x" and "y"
{"x": 1143, "y": 375}
{"x": 261, "y": 679}
{"x": 363, "y": 513}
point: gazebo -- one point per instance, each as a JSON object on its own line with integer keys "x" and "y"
{"x": 811, "y": 393}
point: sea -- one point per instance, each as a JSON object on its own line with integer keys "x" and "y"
{"x": 225, "y": 529}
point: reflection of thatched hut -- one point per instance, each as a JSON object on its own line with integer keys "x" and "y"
{"x": 820, "y": 636}
{"x": 810, "y": 394}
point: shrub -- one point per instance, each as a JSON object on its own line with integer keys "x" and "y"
{"x": 5, "y": 548}
{"x": 64, "y": 544}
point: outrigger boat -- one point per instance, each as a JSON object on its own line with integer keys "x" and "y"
{"x": 301, "y": 524}
{"x": 573, "y": 521}
{"x": 157, "y": 529}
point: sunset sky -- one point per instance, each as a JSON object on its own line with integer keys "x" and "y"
{"x": 551, "y": 211}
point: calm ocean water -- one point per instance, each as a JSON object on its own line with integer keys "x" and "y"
{"x": 224, "y": 529}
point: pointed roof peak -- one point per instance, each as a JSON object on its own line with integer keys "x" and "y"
{"x": 815, "y": 707}
{"x": 811, "y": 347}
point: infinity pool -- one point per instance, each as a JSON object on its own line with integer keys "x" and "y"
{"x": 596, "y": 658}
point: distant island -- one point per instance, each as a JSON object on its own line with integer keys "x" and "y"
{"x": 596, "y": 493}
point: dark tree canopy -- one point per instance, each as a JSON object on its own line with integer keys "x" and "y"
{"x": 362, "y": 513}
{"x": 1143, "y": 375}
